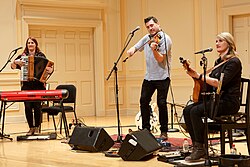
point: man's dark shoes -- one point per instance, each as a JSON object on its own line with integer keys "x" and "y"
{"x": 164, "y": 136}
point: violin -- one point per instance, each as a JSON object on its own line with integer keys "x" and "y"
{"x": 156, "y": 38}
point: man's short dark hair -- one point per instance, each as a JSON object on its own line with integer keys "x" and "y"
{"x": 150, "y": 18}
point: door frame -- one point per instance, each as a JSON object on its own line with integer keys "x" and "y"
{"x": 229, "y": 12}
{"x": 98, "y": 49}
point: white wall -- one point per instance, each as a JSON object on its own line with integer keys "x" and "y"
{"x": 192, "y": 25}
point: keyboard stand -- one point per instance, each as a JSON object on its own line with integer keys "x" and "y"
{"x": 31, "y": 95}
{"x": 2, "y": 135}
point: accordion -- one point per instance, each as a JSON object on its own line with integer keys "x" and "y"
{"x": 34, "y": 68}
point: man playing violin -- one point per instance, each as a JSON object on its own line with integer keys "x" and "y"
{"x": 157, "y": 52}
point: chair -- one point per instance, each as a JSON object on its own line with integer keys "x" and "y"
{"x": 45, "y": 104}
{"x": 69, "y": 105}
{"x": 238, "y": 121}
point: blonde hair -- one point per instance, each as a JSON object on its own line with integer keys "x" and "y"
{"x": 226, "y": 36}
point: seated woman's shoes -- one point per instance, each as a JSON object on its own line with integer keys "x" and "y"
{"x": 30, "y": 132}
{"x": 197, "y": 154}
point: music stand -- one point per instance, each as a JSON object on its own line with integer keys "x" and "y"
{"x": 172, "y": 129}
{"x": 119, "y": 137}
{"x": 173, "y": 106}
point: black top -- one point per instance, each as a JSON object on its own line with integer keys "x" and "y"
{"x": 231, "y": 80}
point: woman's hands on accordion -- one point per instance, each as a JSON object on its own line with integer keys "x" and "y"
{"x": 16, "y": 62}
{"x": 50, "y": 70}
{"x": 19, "y": 62}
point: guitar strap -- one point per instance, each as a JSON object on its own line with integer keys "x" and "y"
{"x": 218, "y": 65}
{"x": 215, "y": 101}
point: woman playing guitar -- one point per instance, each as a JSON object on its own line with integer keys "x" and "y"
{"x": 227, "y": 67}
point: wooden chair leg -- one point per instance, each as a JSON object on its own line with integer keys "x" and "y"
{"x": 54, "y": 122}
{"x": 41, "y": 121}
{"x": 75, "y": 118}
{"x": 230, "y": 137}
{"x": 60, "y": 123}
{"x": 222, "y": 140}
{"x": 247, "y": 133}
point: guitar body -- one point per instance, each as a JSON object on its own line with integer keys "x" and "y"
{"x": 197, "y": 83}
{"x": 197, "y": 90}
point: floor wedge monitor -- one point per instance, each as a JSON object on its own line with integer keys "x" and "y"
{"x": 138, "y": 145}
{"x": 91, "y": 139}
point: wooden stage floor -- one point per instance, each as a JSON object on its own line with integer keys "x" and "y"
{"x": 57, "y": 153}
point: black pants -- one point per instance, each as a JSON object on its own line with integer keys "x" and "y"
{"x": 147, "y": 91}
{"x": 194, "y": 113}
{"x": 31, "y": 107}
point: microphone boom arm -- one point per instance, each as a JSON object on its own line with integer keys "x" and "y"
{"x": 139, "y": 48}
{"x": 9, "y": 59}
{"x": 204, "y": 51}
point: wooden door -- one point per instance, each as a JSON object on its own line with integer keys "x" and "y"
{"x": 71, "y": 49}
{"x": 241, "y": 32}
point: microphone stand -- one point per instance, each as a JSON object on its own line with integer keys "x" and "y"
{"x": 119, "y": 137}
{"x": 2, "y": 135}
{"x": 204, "y": 63}
{"x": 9, "y": 59}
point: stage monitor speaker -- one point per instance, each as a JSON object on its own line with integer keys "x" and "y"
{"x": 138, "y": 145}
{"x": 90, "y": 139}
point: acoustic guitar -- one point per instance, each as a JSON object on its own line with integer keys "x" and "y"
{"x": 197, "y": 83}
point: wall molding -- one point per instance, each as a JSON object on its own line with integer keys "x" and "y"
{"x": 31, "y": 14}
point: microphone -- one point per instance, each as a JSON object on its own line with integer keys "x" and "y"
{"x": 136, "y": 29}
{"x": 15, "y": 50}
{"x": 204, "y": 51}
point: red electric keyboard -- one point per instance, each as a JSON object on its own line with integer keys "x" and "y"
{"x": 34, "y": 95}
{"x": 30, "y": 95}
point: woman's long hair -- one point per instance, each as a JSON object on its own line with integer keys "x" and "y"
{"x": 226, "y": 36}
